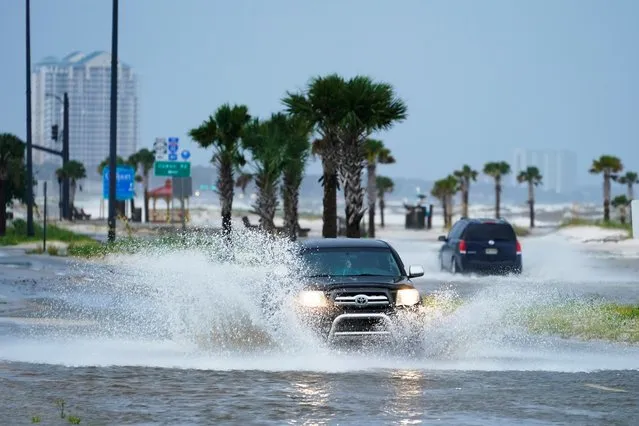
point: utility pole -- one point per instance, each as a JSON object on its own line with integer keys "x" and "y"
{"x": 30, "y": 230}
{"x": 66, "y": 213}
{"x": 113, "y": 147}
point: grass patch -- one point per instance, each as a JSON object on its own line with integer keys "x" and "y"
{"x": 612, "y": 224}
{"x": 585, "y": 320}
{"x": 609, "y": 321}
{"x": 17, "y": 234}
{"x": 132, "y": 245}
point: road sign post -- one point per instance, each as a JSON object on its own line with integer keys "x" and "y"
{"x": 172, "y": 162}
{"x": 634, "y": 218}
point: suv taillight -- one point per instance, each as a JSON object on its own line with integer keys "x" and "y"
{"x": 462, "y": 247}
{"x": 518, "y": 247}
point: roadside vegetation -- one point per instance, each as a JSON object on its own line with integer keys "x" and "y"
{"x": 605, "y": 321}
{"x": 16, "y": 234}
{"x": 579, "y": 319}
{"x": 576, "y": 221}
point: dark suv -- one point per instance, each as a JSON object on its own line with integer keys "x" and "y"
{"x": 481, "y": 246}
{"x": 354, "y": 288}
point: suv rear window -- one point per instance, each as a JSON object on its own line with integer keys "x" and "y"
{"x": 489, "y": 231}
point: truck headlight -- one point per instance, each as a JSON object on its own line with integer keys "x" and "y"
{"x": 313, "y": 299}
{"x": 407, "y": 297}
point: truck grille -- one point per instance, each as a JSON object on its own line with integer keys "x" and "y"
{"x": 361, "y": 299}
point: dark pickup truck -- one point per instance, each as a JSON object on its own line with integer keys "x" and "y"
{"x": 355, "y": 288}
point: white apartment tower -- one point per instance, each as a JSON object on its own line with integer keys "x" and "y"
{"x": 86, "y": 78}
{"x": 558, "y": 168}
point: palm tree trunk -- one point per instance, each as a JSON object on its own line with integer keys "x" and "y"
{"x": 266, "y": 202}
{"x": 3, "y": 208}
{"x": 445, "y": 211}
{"x": 225, "y": 186}
{"x": 531, "y": 203}
{"x": 72, "y": 188}
{"x": 329, "y": 183}
{"x": 290, "y": 196}
{"x": 372, "y": 195}
{"x": 465, "y": 197}
{"x": 146, "y": 198}
{"x": 382, "y": 206}
{"x": 606, "y": 194}
{"x": 353, "y": 193}
{"x": 132, "y": 206}
{"x": 497, "y": 198}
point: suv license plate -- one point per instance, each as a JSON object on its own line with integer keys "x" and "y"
{"x": 491, "y": 251}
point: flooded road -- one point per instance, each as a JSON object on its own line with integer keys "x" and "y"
{"x": 129, "y": 342}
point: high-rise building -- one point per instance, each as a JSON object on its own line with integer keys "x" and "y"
{"x": 86, "y": 78}
{"x": 558, "y": 168}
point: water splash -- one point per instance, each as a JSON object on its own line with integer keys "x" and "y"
{"x": 191, "y": 305}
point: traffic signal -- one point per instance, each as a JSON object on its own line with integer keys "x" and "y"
{"x": 54, "y": 132}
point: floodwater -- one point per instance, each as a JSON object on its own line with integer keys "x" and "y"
{"x": 181, "y": 338}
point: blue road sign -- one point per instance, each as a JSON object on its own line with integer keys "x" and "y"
{"x": 172, "y": 157}
{"x": 173, "y": 140}
{"x": 185, "y": 154}
{"x": 124, "y": 183}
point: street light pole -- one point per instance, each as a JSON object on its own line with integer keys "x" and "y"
{"x": 113, "y": 147}
{"x": 65, "y": 157}
{"x": 30, "y": 230}
{"x": 64, "y": 154}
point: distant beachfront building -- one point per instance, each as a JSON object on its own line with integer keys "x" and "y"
{"x": 558, "y": 168}
{"x": 87, "y": 80}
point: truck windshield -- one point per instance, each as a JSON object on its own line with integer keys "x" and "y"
{"x": 350, "y": 262}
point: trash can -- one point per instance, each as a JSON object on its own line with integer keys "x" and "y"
{"x": 416, "y": 218}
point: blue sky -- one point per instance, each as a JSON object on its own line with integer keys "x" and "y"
{"x": 480, "y": 78}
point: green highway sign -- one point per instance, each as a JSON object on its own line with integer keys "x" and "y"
{"x": 173, "y": 168}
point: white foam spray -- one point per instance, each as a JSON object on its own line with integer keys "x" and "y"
{"x": 192, "y": 306}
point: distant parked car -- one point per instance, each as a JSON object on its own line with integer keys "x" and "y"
{"x": 481, "y": 246}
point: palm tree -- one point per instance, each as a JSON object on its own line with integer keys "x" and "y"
{"x": 320, "y": 106}
{"x": 629, "y": 179}
{"x": 11, "y": 163}
{"x": 384, "y": 185}
{"x": 74, "y": 171}
{"x": 620, "y": 202}
{"x": 497, "y": 170}
{"x": 465, "y": 176}
{"x": 119, "y": 161}
{"x": 608, "y": 166}
{"x": 375, "y": 153}
{"x": 444, "y": 190}
{"x": 243, "y": 181}
{"x": 533, "y": 177}
{"x": 223, "y": 132}
{"x": 145, "y": 161}
{"x": 368, "y": 107}
{"x": 264, "y": 140}
{"x": 296, "y": 152}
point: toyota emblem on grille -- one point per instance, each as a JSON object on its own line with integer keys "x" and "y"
{"x": 361, "y": 300}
